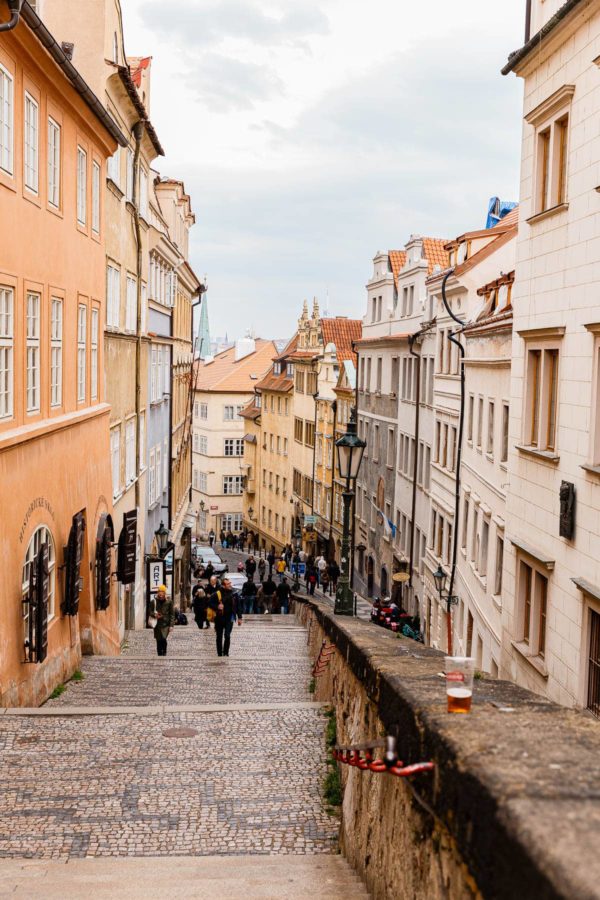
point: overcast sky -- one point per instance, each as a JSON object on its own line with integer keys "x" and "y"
{"x": 312, "y": 134}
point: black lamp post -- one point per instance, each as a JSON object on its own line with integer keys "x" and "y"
{"x": 162, "y": 538}
{"x": 350, "y": 450}
{"x": 440, "y": 578}
{"x": 295, "y": 564}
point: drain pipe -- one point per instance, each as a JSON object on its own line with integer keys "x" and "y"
{"x": 15, "y": 11}
{"x": 138, "y": 131}
{"x": 454, "y": 340}
{"x": 411, "y": 342}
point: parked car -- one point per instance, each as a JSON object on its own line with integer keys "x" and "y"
{"x": 204, "y": 555}
{"x": 237, "y": 580}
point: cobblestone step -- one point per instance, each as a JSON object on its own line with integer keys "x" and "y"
{"x": 176, "y": 878}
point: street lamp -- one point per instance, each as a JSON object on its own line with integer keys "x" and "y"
{"x": 295, "y": 563}
{"x": 451, "y": 600}
{"x": 162, "y": 538}
{"x": 350, "y": 450}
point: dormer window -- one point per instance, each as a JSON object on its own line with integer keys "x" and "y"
{"x": 462, "y": 253}
{"x": 290, "y": 368}
{"x": 277, "y": 368}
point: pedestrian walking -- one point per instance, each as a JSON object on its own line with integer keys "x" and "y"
{"x": 209, "y": 571}
{"x": 334, "y": 574}
{"x": 222, "y": 539}
{"x": 226, "y": 607}
{"x": 249, "y": 592}
{"x": 250, "y": 567}
{"x": 321, "y": 566}
{"x": 211, "y": 537}
{"x": 271, "y": 561}
{"x": 261, "y": 568}
{"x": 200, "y": 603}
{"x": 230, "y": 539}
{"x": 281, "y": 568}
{"x": 163, "y": 617}
{"x": 311, "y": 579}
{"x": 283, "y": 596}
{"x": 268, "y": 589}
{"x": 324, "y": 580}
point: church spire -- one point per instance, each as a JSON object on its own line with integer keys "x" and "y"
{"x": 203, "y": 331}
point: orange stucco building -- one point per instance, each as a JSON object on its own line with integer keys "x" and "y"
{"x": 58, "y": 597}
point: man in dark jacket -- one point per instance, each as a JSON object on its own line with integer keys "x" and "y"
{"x": 283, "y": 596}
{"x": 224, "y": 602}
{"x": 200, "y": 603}
{"x": 268, "y": 590}
{"x": 249, "y": 592}
{"x": 334, "y": 573}
{"x": 250, "y": 567}
{"x": 209, "y": 571}
{"x": 271, "y": 561}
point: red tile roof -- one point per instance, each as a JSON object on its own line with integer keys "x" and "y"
{"x": 342, "y": 332}
{"x": 227, "y": 375}
{"x": 398, "y": 261}
{"x": 434, "y": 253}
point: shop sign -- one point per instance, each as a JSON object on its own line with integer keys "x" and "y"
{"x": 155, "y": 575}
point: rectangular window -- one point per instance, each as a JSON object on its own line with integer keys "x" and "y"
{"x": 533, "y": 591}
{"x": 56, "y": 351}
{"x": 465, "y": 524}
{"x": 130, "y": 452}
{"x": 113, "y": 296}
{"x": 203, "y": 445}
{"x": 33, "y": 352}
{"x": 490, "y": 428}
{"x": 479, "y": 422}
{"x": 562, "y": 134}
{"x": 115, "y": 457}
{"x": 309, "y": 434}
{"x": 232, "y": 484}
{"x": 499, "y": 565}
{"x": 131, "y": 305}
{"x": 94, "y": 354}
{"x": 95, "y": 198}
{"x": 81, "y": 186}
{"x": 53, "y": 162}
{"x": 151, "y": 478}
{"x": 391, "y": 448}
{"x": 81, "y": 352}
{"x": 6, "y": 121}
{"x": 114, "y": 167}
{"x": 228, "y": 413}
{"x": 544, "y": 173}
{"x": 299, "y": 430}
{"x": 142, "y": 440}
{"x": 144, "y": 194}
{"x": 483, "y": 549}
{"x": 31, "y": 139}
{"x": 471, "y": 418}
{"x": 203, "y": 412}
{"x": 129, "y": 182}
{"x": 158, "y": 458}
{"x": 505, "y": 422}
{"x": 379, "y": 372}
{"x": 542, "y": 398}
{"x": 6, "y": 345}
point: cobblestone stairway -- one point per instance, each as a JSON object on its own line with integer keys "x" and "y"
{"x": 208, "y": 769}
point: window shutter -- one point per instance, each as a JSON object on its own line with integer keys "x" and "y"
{"x": 39, "y": 583}
{"x": 103, "y": 567}
{"x": 74, "y": 555}
{"x": 127, "y": 551}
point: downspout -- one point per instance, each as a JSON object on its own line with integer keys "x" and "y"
{"x": 454, "y": 340}
{"x": 528, "y": 21}
{"x": 15, "y": 11}
{"x": 353, "y": 539}
{"x": 138, "y": 131}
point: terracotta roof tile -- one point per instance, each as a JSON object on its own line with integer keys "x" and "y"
{"x": 228, "y": 376}
{"x": 341, "y": 332}
{"x": 398, "y": 261}
{"x": 433, "y": 250}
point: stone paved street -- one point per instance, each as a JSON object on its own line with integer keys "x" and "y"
{"x": 103, "y": 784}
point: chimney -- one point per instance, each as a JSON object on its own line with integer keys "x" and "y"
{"x": 244, "y": 347}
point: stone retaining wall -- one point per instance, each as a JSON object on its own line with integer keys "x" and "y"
{"x": 513, "y": 808}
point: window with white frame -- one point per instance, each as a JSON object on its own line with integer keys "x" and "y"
{"x": 113, "y": 296}
{"x": 202, "y": 411}
{"x": 144, "y": 306}
{"x": 203, "y": 444}
{"x": 129, "y": 181}
{"x": 113, "y": 169}
{"x": 202, "y": 481}
{"x": 6, "y": 351}
{"x": 41, "y": 536}
{"x": 115, "y": 458}
{"x": 152, "y": 478}
{"x": 232, "y": 484}
{"x": 94, "y": 353}
{"x": 6, "y": 120}
{"x": 158, "y": 458}
{"x": 505, "y": 424}
{"x": 131, "y": 304}
{"x": 81, "y": 186}
{"x": 130, "y": 451}
{"x": 165, "y": 464}
{"x": 142, "y": 440}
{"x": 56, "y": 351}
{"x": 33, "y": 351}
{"x": 95, "y": 197}
{"x": 499, "y": 563}
{"x": 234, "y": 446}
{"x": 153, "y": 374}
{"x": 31, "y": 140}
{"x": 228, "y": 413}
{"x": 54, "y": 133}
{"x": 533, "y": 607}
{"x": 541, "y": 398}
{"x": 490, "y": 428}
{"x": 166, "y": 383}
{"x": 484, "y": 547}
{"x": 81, "y": 352}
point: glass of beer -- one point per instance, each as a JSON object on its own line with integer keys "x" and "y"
{"x": 459, "y": 683}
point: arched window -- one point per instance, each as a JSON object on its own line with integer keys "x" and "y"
{"x": 41, "y": 536}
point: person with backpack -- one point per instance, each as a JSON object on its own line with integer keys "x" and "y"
{"x": 226, "y": 608}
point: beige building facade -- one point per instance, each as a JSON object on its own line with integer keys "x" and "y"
{"x": 551, "y": 610}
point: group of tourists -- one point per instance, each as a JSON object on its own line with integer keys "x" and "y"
{"x": 215, "y": 602}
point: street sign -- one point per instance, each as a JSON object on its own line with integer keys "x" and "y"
{"x": 156, "y": 575}
{"x": 310, "y": 520}
{"x": 299, "y": 569}
{"x": 214, "y": 508}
